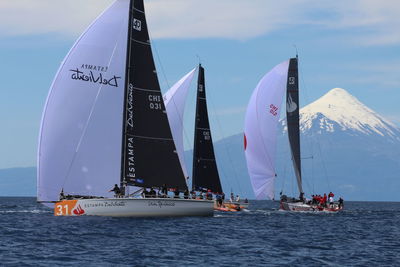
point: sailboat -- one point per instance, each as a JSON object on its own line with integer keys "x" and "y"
{"x": 260, "y": 136}
{"x": 205, "y": 172}
{"x": 205, "y": 176}
{"x": 105, "y": 123}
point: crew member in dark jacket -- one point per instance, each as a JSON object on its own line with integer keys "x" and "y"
{"x": 116, "y": 190}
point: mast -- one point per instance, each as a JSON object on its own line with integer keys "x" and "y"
{"x": 205, "y": 171}
{"x": 149, "y": 157}
{"x": 293, "y": 117}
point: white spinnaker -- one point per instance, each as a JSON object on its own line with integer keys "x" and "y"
{"x": 81, "y": 131}
{"x": 174, "y": 100}
{"x": 261, "y": 122}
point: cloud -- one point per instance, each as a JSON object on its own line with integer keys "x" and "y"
{"x": 371, "y": 22}
{"x": 377, "y": 73}
{"x": 23, "y": 17}
{"x": 230, "y": 19}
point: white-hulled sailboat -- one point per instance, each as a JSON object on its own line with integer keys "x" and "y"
{"x": 260, "y": 137}
{"x": 105, "y": 123}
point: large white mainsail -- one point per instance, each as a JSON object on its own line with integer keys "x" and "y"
{"x": 261, "y": 121}
{"x": 83, "y": 112}
{"x": 174, "y": 100}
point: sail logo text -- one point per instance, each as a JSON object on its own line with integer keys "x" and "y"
{"x": 129, "y": 109}
{"x": 273, "y": 110}
{"x": 130, "y": 171}
{"x": 206, "y": 135}
{"x": 154, "y": 102}
{"x": 77, "y": 74}
{"x": 94, "y": 67}
{"x": 290, "y": 104}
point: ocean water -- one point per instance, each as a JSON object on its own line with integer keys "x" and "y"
{"x": 364, "y": 234}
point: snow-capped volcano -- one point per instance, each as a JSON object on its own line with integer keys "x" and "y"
{"x": 337, "y": 110}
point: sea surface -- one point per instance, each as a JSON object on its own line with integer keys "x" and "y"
{"x": 364, "y": 234}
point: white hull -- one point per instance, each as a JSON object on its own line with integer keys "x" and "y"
{"x": 300, "y": 206}
{"x": 134, "y": 207}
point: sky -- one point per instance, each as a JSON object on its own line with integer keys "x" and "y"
{"x": 353, "y": 45}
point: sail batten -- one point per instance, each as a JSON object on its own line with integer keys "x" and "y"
{"x": 205, "y": 172}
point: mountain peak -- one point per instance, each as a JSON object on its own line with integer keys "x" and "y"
{"x": 340, "y": 107}
{"x": 337, "y": 100}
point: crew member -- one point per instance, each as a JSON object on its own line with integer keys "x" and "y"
{"x": 176, "y": 193}
{"x": 116, "y": 190}
{"x": 186, "y": 194}
{"x": 152, "y": 192}
{"x": 340, "y": 203}
{"x": 209, "y": 194}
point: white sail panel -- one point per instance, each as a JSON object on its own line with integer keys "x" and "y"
{"x": 81, "y": 131}
{"x": 261, "y": 121}
{"x": 174, "y": 100}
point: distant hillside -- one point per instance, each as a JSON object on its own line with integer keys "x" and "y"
{"x": 18, "y": 182}
{"x": 347, "y": 148}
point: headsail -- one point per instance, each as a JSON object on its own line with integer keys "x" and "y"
{"x": 84, "y": 121}
{"x": 261, "y": 122}
{"x": 149, "y": 156}
{"x": 80, "y": 136}
{"x": 205, "y": 171}
{"x": 292, "y": 117}
{"x": 174, "y": 100}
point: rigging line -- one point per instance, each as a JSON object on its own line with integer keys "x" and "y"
{"x": 53, "y": 83}
{"x": 226, "y": 149}
{"x": 219, "y": 169}
{"x": 316, "y": 135}
{"x": 180, "y": 117}
{"x": 158, "y": 58}
{"x": 312, "y": 168}
{"x": 173, "y": 100}
{"x": 87, "y": 121}
{"x": 284, "y": 174}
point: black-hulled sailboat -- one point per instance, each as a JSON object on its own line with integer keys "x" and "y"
{"x": 106, "y": 93}
{"x": 260, "y": 136}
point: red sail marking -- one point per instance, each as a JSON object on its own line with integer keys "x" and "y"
{"x": 273, "y": 109}
{"x": 245, "y": 142}
{"x": 78, "y": 210}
